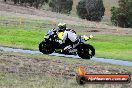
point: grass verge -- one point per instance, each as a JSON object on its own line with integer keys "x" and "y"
{"x": 113, "y": 46}
{"x": 21, "y": 38}
{"x": 25, "y": 70}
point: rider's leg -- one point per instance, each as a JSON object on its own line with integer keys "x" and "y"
{"x": 69, "y": 39}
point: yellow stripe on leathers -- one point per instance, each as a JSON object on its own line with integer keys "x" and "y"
{"x": 60, "y": 34}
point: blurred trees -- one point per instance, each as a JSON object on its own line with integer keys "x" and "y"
{"x": 92, "y": 10}
{"x": 61, "y": 6}
{"x": 34, "y": 3}
{"x": 122, "y": 15}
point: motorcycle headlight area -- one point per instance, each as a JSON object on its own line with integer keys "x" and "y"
{"x": 46, "y": 36}
{"x": 85, "y": 37}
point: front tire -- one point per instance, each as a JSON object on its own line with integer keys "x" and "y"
{"x": 85, "y": 51}
{"x": 46, "y": 48}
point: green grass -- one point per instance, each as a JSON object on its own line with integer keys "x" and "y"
{"x": 21, "y": 38}
{"x": 23, "y": 32}
{"x": 18, "y": 19}
{"x": 113, "y": 46}
{"x": 25, "y": 23}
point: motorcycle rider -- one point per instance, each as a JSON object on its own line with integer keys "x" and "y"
{"x": 66, "y": 36}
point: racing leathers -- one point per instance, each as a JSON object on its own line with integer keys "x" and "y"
{"x": 69, "y": 39}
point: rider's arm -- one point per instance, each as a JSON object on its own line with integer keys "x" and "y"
{"x": 55, "y": 29}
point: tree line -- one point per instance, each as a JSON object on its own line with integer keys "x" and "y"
{"x": 32, "y": 3}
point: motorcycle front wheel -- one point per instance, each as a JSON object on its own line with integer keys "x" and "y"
{"x": 46, "y": 48}
{"x": 85, "y": 51}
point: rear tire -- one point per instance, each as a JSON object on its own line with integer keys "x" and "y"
{"x": 85, "y": 51}
{"x": 46, "y": 48}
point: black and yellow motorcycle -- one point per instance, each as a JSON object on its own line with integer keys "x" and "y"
{"x": 52, "y": 43}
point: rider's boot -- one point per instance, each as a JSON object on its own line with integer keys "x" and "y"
{"x": 67, "y": 49}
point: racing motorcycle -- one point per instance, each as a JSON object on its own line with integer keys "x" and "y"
{"x": 51, "y": 44}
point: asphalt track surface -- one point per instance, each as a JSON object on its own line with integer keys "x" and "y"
{"x": 110, "y": 61}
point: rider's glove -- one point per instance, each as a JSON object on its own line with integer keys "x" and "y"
{"x": 91, "y": 36}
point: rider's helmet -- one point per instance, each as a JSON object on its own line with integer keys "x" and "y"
{"x": 62, "y": 26}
